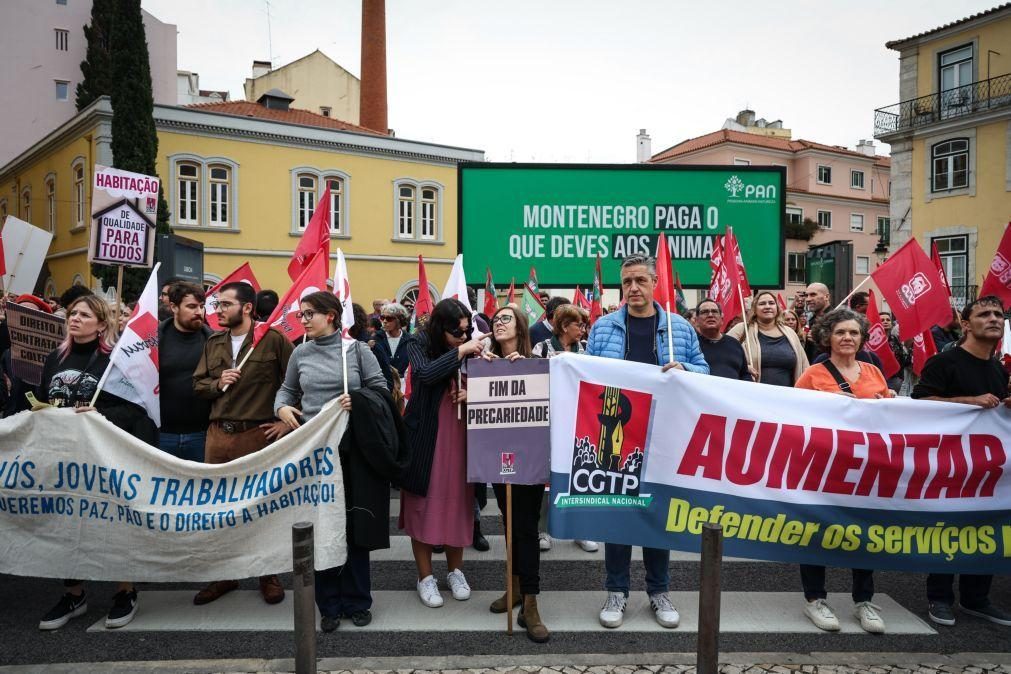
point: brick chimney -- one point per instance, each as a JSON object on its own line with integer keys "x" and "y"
{"x": 373, "y": 114}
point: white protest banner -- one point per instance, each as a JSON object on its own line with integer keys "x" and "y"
{"x": 123, "y": 214}
{"x": 25, "y": 248}
{"x": 80, "y": 498}
{"x": 34, "y": 335}
{"x": 644, "y": 457}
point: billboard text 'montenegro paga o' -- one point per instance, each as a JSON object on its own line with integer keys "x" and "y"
{"x": 558, "y": 218}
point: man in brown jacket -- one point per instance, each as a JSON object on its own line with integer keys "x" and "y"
{"x": 242, "y": 417}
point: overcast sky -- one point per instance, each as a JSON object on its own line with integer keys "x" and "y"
{"x": 574, "y": 80}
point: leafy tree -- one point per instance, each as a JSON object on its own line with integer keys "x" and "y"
{"x": 97, "y": 64}
{"x": 803, "y": 231}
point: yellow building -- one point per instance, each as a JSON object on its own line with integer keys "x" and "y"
{"x": 950, "y": 142}
{"x": 316, "y": 81}
{"x": 243, "y": 178}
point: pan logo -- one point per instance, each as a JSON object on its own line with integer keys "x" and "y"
{"x": 741, "y": 191}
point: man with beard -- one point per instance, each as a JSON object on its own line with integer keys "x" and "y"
{"x": 242, "y": 418}
{"x": 181, "y": 339}
{"x": 817, "y": 300}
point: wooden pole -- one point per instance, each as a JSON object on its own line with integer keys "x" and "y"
{"x": 119, "y": 293}
{"x": 344, "y": 363}
{"x": 242, "y": 362}
{"x": 708, "y": 659}
{"x": 670, "y": 336}
{"x": 509, "y": 558}
{"x": 852, "y": 292}
{"x": 303, "y": 586}
{"x": 744, "y": 315}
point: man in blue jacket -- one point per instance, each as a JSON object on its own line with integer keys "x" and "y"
{"x": 638, "y": 332}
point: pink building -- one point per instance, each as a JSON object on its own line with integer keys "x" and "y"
{"x": 844, "y": 191}
{"x": 43, "y": 46}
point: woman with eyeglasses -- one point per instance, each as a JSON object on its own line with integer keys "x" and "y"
{"x": 436, "y": 502}
{"x": 567, "y": 331}
{"x": 314, "y": 377}
{"x": 775, "y": 352}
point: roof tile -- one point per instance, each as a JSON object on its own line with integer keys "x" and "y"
{"x": 744, "y": 138}
{"x": 289, "y": 116}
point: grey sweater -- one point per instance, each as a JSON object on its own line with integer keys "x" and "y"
{"x": 315, "y": 374}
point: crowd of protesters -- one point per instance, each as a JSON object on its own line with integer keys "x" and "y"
{"x": 222, "y": 399}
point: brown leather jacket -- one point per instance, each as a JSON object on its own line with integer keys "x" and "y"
{"x": 251, "y": 398}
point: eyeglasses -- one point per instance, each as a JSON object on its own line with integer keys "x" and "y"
{"x": 223, "y": 304}
{"x": 306, "y": 315}
{"x": 504, "y": 319}
{"x": 708, "y": 312}
{"x": 387, "y": 318}
{"x": 460, "y": 332}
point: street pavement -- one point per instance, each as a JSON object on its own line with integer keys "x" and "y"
{"x": 761, "y": 614}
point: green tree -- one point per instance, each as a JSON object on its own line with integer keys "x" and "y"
{"x": 134, "y": 136}
{"x": 96, "y": 67}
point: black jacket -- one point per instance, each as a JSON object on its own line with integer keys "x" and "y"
{"x": 399, "y": 358}
{"x": 373, "y": 454}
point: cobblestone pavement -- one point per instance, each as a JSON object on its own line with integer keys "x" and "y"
{"x": 925, "y": 668}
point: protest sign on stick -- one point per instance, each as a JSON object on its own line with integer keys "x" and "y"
{"x": 34, "y": 335}
{"x": 24, "y": 248}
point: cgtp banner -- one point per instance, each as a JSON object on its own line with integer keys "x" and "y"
{"x": 643, "y": 457}
{"x": 80, "y": 498}
{"x": 34, "y": 334}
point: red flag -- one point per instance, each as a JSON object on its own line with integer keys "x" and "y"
{"x": 511, "y": 297}
{"x": 877, "y": 338}
{"x": 490, "y": 295}
{"x": 998, "y": 279}
{"x": 666, "y": 294}
{"x": 316, "y": 237}
{"x": 731, "y": 246}
{"x": 782, "y": 301}
{"x": 715, "y": 262}
{"x": 727, "y": 282}
{"x": 244, "y": 274}
{"x": 908, "y": 280}
{"x": 923, "y": 349}
{"x": 423, "y": 304}
{"x": 935, "y": 257}
{"x": 312, "y": 279}
{"x": 597, "y": 302}
{"x": 532, "y": 281}
{"x": 579, "y": 299}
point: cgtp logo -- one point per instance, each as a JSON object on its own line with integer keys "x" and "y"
{"x": 913, "y": 289}
{"x": 876, "y": 337}
{"x": 1001, "y": 268}
{"x": 508, "y": 463}
{"x": 150, "y": 205}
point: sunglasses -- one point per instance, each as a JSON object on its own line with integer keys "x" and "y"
{"x": 460, "y": 332}
{"x": 504, "y": 319}
{"x": 387, "y": 318}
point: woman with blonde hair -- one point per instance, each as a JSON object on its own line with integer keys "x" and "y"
{"x": 774, "y": 351}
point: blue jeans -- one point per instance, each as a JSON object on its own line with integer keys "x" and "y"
{"x": 618, "y": 562}
{"x": 187, "y": 446}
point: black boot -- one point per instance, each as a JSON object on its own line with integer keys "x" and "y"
{"x": 480, "y": 542}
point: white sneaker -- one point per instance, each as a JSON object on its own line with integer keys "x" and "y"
{"x": 822, "y": 615}
{"x": 588, "y": 546}
{"x": 428, "y": 590}
{"x": 869, "y": 617}
{"x": 458, "y": 584}
{"x": 664, "y": 610}
{"x": 613, "y": 611}
{"x": 543, "y": 542}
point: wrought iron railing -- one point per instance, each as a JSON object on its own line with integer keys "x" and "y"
{"x": 948, "y": 104}
{"x": 962, "y": 295}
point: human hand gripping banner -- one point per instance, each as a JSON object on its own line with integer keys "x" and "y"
{"x": 643, "y": 457}
{"x": 80, "y": 498}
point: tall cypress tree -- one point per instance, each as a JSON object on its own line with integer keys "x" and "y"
{"x": 96, "y": 67}
{"x": 134, "y": 137}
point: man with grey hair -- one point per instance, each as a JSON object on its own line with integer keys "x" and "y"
{"x": 393, "y": 339}
{"x": 638, "y": 332}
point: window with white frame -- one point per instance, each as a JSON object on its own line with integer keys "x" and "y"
{"x": 51, "y": 202}
{"x": 219, "y": 202}
{"x": 856, "y": 180}
{"x": 954, "y": 253}
{"x": 62, "y": 90}
{"x": 429, "y": 212}
{"x": 796, "y": 267}
{"x": 824, "y": 174}
{"x": 188, "y": 193}
{"x": 62, "y": 39}
{"x": 856, "y": 222}
{"x": 741, "y": 162}
{"x": 336, "y": 185}
{"x": 324, "y": 110}
{"x": 863, "y": 265}
{"x": 417, "y": 211}
{"x": 78, "y": 169}
{"x": 306, "y": 200}
{"x": 794, "y": 216}
{"x": 26, "y": 204}
{"x": 308, "y": 187}
{"x": 825, "y": 219}
{"x": 405, "y": 211}
{"x": 949, "y": 165}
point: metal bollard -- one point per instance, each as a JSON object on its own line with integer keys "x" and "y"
{"x": 708, "y": 661}
{"x": 303, "y": 585}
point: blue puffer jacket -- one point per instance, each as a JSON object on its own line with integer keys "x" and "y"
{"x": 607, "y": 340}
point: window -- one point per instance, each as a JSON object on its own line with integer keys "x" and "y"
{"x": 796, "y": 267}
{"x": 336, "y": 186}
{"x": 417, "y": 209}
{"x": 794, "y": 216}
{"x": 218, "y": 181}
{"x": 825, "y": 219}
{"x": 955, "y": 67}
{"x": 856, "y": 222}
{"x": 863, "y": 264}
{"x": 884, "y": 229}
{"x": 26, "y": 205}
{"x": 51, "y": 202}
{"x": 61, "y": 2}
{"x": 954, "y": 252}
{"x": 405, "y": 212}
{"x": 62, "y": 39}
{"x": 62, "y": 90}
{"x": 742, "y": 162}
{"x": 824, "y": 174}
{"x": 857, "y": 180}
{"x": 429, "y": 204}
{"x": 950, "y": 165}
{"x": 78, "y": 168}
{"x": 324, "y": 110}
{"x": 306, "y": 200}
{"x": 188, "y": 191}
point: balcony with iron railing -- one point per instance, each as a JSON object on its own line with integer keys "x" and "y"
{"x": 949, "y": 104}
{"x": 963, "y": 294}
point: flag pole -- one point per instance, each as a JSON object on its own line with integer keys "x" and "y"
{"x": 747, "y": 344}
{"x": 459, "y": 387}
{"x": 344, "y": 363}
{"x": 670, "y": 336}
{"x": 241, "y": 363}
{"x": 853, "y": 292}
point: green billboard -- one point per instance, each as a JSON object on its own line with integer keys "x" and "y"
{"x": 558, "y": 217}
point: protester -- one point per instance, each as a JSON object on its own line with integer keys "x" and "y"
{"x": 266, "y": 302}
{"x": 794, "y": 321}
{"x": 568, "y": 327}
{"x": 315, "y": 376}
{"x": 393, "y": 339}
{"x": 70, "y": 378}
{"x": 947, "y": 335}
{"x": 776, "y": 353}
{"x": 692, "y": 317}
{"x": 799, "y": 305}
{"x": 723, "y": 353}
{"x": 181, "y": 339}
{"x": 377, "y": 308}
{"x": 242, "y": 418}
{"x": 968, "y": 374}
{"x": 436, "y": 502}
{"x": 859, "y": 301}
{"x": 69, "y": 295}
{"x": 638, "y": 332}
{"x": 842, "y": 332}
{"x": 360, "y": 332}
{"x": 902, "y": 355}
{"x": 818, "y": 300}
{"x": 543, "y": 329}
{"x": 12, "y": 387}
{"x": 164, "y": 312}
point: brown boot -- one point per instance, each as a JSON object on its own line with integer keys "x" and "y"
{"x": 499, "y": 605}
{"x": 530, "y": 618}
{"x": 215, "y": 591}
{"x": 271, "y": 589}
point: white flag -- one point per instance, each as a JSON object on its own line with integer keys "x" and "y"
{"x": 1005, "y": 344}
{"x": 133, "y": 364}
{"x": 342, "y": 289}
{"x": 456, "y": 286}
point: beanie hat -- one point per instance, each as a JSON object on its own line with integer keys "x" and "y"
{"x": 39, "y": 303}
